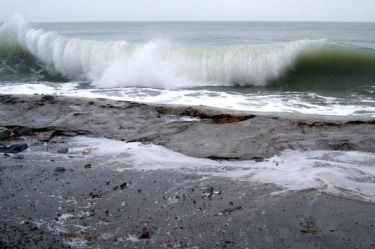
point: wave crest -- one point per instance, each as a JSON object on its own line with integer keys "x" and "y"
{"x": 162, "y": 64}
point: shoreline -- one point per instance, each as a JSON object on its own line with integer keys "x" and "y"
{"x": 56, "y": 200}
{"x": 196, "y": 131}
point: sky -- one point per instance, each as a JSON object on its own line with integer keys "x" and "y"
{"x": 189, "y": 10}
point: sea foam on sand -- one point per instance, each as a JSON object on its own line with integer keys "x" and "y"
{"x": 305, "y": 103}
{"x": 344, "y": 173}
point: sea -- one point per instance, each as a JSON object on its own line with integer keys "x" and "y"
{"x": 298, "y": 67}
{"x": 294, "y": 67}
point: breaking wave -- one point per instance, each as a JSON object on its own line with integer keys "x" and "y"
{"x": 28, "y": 54}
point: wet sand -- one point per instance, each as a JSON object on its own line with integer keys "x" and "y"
{"x": 56, "y": 201}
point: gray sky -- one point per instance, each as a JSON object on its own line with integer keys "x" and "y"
{"x": 169, "y": 10}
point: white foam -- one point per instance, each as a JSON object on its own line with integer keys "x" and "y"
{"x": 129, "y": 237}
{"x": 76, "y": 242}
{"x": 348, "y": 173}
{"x": 157, "y": 64}
{"x": 288, "y": 102}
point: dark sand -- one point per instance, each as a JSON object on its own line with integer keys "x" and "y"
{"x": 57, "y": 202}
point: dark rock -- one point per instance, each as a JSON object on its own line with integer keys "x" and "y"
{"x": 227, "y": 118}
{"x": 208, "y": 192}
{"x": 146, "y": 234}
{"x": 97, "y": 196}
{"x": 22, "y": 131}
{"x": 229, "y": 211}
{"x": 258, "y": 159}
{"x": 122, "y": 186}
{"x": 8, "y": 99}
{"x": 4, "y": 133}
{"x": 223, "y": 158}
{"x": 63, "y": 150}
{"x": 223, "y": 118}
{"x": 88, "y": 166}
{"x": 161, "y": 110}
{"x": 336, "y": 144}
{"x": 48, "y": 98}
{"x": 19, "y": 157}
{"x": 308, "y": 227}
{"x": 143, "y": 140}
{"x": 342, "y": 146}
{"x": 46, "y": 136}
{"x": 60, "y": 169}
{"x": 15, "y": 148}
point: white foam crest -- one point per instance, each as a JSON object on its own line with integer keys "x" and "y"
{"x": 75, "y": 59}
{"x": 12, "y": 31}
{"x": 157, "y": 64}
{"x": 349, "y": 173}
{"x": 240, "y": 65}
{"x": 297, "y": 103}
{"x": 161, "y": 65}
{"x": 144, "y": 67}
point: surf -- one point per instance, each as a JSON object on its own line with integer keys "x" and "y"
{"x": 28, "y": 54}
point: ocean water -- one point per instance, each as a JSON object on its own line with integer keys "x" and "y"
{"x": 316, "y": 68}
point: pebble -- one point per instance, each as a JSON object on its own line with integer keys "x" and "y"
{"x": 60, "y": 169}
{"x": 63, "y": 150}
{"x": 88, "y": 166}
{"x": 46, "y": 136}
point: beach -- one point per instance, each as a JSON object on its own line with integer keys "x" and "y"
{"x": 55, "y": 195}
